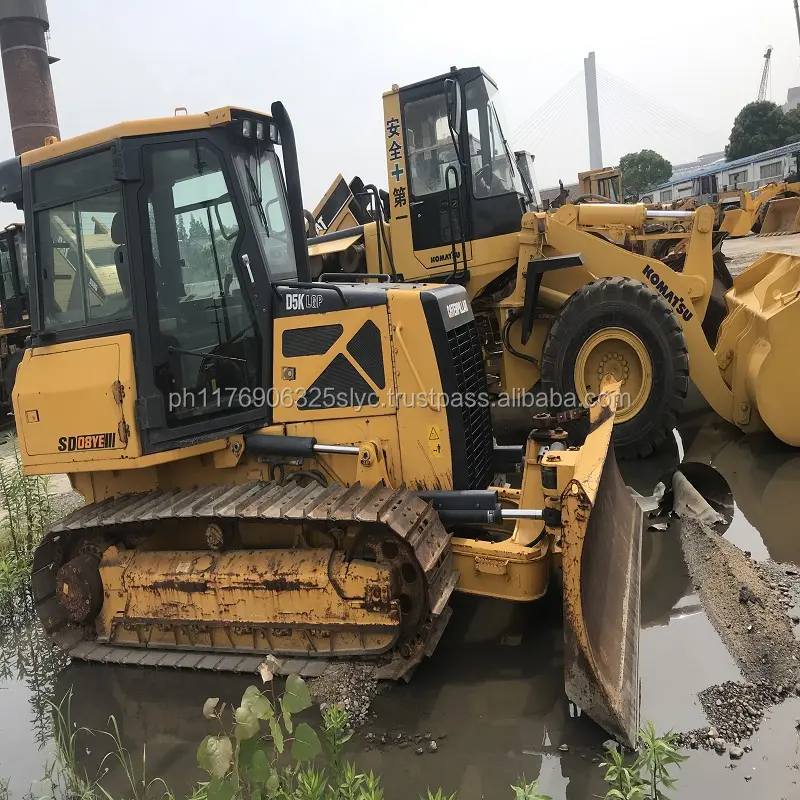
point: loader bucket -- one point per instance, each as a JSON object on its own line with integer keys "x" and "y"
{"x": 602, "y": 541}
{"x": 737, "y": 223}
{"x": 782, "y": 217}
{"x": 761, "y": 331}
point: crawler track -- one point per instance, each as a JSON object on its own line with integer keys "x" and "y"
{"x": 377, "y": 512}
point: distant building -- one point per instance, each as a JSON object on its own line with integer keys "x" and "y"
{"x": 678, "y": 171}
{"x": 550, "y": 194}
{"x": 792, "y": 98}
{"x": 744, "y": 174}
{"x": 703, "y": 161}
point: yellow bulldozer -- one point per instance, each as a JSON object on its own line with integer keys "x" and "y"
{"x": 273, "y": 464}
{"x": 564, "y": 299}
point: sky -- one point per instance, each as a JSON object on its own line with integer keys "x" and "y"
{"x": 672, "y": 77}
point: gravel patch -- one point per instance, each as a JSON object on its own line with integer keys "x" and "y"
{"x": 735, "y": 711}
{"x": 751, "y": 605}
{"x": 349, "y": 685}
{"x": 746, "y": 610}
{"x": 399, "y": 739}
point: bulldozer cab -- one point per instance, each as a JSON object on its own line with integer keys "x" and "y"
{"x": 452, "y": 174}
{"x": 14, "y": 278}
{"x": 154, "y": 250}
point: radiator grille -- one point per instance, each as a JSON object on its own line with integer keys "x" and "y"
{"x": 467, "y": 355}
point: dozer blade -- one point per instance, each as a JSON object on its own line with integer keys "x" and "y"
{"x": 783, "y": 216}
{"x": 602, "y": 540}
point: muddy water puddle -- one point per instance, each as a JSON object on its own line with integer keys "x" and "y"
{"x": 492, "y": 694}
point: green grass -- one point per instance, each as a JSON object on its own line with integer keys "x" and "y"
{"x": 27, "y": 506}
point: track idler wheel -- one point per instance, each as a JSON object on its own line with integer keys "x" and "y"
{"x": 409, "y": 585}
{"x": 79, "y": 588}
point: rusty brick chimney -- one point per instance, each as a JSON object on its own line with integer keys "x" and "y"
{"x": 26, "y": 69}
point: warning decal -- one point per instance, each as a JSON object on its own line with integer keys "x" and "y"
{"x": 435, "y": 441}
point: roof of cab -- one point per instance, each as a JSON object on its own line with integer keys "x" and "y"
{"x": 467, "y": 73}
{"x": 143, "y": 127}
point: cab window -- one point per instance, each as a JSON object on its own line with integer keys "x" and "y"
{"x": 492, "y": 170}
{"x": 261, "y": 177}
{"x": 7, "y": 270}
{"x": 429, "y": 145}
{"x": 83, "y": 256}
{"x": 81, "y": 243}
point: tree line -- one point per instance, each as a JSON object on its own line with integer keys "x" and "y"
{"x": 758, "y": 127}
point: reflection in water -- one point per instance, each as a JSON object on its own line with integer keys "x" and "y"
{"x": 27, "y": 657}
{"x": 494, "y": 686}
{"x": 159, "y": 709}
{"x": 764, "y": 475}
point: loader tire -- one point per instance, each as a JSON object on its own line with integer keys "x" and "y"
{"x": 619, "y": 326}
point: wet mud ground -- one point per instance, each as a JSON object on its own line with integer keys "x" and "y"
{"x": 742, "y": 252}
{"x": 491, "y": 696}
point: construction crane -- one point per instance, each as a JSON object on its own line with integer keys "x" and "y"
{"x": 797, "y": 17}
{"x": 762, "y": 90}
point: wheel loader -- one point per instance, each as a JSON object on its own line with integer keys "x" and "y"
{"x": 272, "y": 464}
{"x": 560, "y": 303}
{"x": 604, "y": 184}
{"x": 768, "y": 210}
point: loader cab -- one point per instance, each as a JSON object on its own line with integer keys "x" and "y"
{"x": 463, "y": 182}
{"x": 155, "y": 252}
{"x": 13, "y": 278}
{"x": 601, "y": 183}
{"x": 705, "y": 188}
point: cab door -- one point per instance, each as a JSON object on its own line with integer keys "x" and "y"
{"x": 437, "y": 193}
{"x": 208, "y": 360}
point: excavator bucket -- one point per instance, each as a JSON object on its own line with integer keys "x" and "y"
{"x": 783, "y": 216}
{"x": 602, "y": 542}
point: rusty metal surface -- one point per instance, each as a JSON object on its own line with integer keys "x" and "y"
{"x": 602, "y": 575}
{"x": 406, "y": 521}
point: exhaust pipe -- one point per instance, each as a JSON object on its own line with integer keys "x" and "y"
{"x": 293, "y": 190}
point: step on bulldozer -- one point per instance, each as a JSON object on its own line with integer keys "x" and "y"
{"x": 565, "y": 299}
{"x": 272, "y": 464}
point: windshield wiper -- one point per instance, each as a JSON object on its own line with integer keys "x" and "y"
{"x": 256, "y": 196}
{"x": 512, "y": 158}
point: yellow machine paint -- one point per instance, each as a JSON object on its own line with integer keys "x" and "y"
{"x": 601, "y": 183}
{"x": 457, "y": 212}
{"x": 783, "y": 217}
{"x": 278, "y": 465}
{"x": 755, "y": 207}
